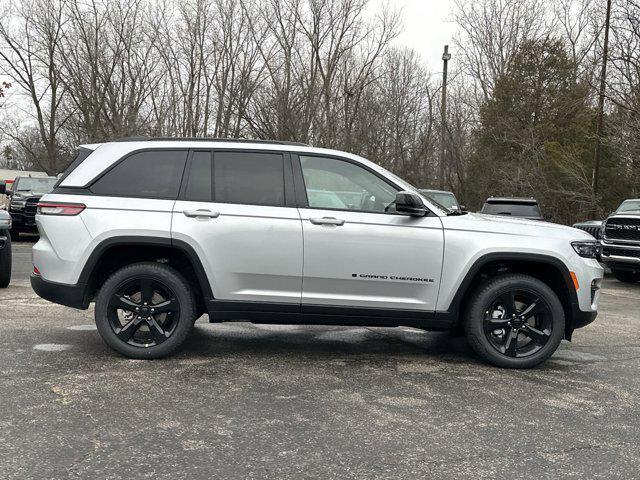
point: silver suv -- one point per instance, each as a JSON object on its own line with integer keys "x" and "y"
{"x": 158, "y": 232}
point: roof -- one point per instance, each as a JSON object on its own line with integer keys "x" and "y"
{"x": 521, "y": 200}
{"x": 207, "y": 139}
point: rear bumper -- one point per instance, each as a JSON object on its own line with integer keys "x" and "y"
{"x": 63, "y": 294}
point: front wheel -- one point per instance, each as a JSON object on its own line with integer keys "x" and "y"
{"x": 514, "y": 321}
{"x": 626, "y": 276}
{"x": 145, "y": 310}
{"x": 5, "y": 264}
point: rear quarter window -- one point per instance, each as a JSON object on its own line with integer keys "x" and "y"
{"x": 148, "y": 174}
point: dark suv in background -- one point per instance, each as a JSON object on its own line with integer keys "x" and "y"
{"x": 513, "y": 207}
{"x": 22, "y": 202}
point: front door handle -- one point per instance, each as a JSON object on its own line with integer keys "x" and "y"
{"x": 327, "y": 221}
{"x": 202, "y": 213}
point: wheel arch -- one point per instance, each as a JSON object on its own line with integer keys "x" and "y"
{"x": 116, "y": 252}
{"x": 547, "y": 268}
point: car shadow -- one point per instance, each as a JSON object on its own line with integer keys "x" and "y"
{"x": 322, "y": 341}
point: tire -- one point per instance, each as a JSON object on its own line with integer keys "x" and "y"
{"x": 626, "y": 276}
{"x": 514, "y": 321}
{"x": 5, "y": 264}
{"x": 143, "y": 334}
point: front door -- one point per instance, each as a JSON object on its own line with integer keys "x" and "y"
{"x": 233, "y": 210}
{"x": 357, "y": 251}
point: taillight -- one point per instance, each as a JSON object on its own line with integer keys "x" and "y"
{"x": 69, "y": 209}
{"x": 36, "y": 271}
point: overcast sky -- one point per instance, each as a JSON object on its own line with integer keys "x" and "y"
{"x": 426, "y": 28}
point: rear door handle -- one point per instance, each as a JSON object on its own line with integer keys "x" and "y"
{"x": 201, "y": 213}
{"x": 327, "y": 221}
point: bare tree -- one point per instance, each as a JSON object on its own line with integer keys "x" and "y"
{"x": 32, "y": 31}
{"x": 491, "y": 31}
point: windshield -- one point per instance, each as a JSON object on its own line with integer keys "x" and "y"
{"x": 447, "y": 200}
{"x": 629, "y": 206}
{"x": 513, "y": 209}
{"x": 34, "y": 184}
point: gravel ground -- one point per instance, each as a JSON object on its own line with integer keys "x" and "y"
{"x": 252, "y": 401}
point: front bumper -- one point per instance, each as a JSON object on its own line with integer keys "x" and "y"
{"x": 61, "y": 293}
{"x": 621, "y": 256}
{"x": 23, "y": 221}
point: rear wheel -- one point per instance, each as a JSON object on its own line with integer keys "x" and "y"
{"x": 515, "y": 321}
{"x": 145, "y": 311}
{"x": 626, "y": 276}
{"x": 5, "y": 264}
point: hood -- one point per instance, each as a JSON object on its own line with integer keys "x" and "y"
{"x": 631, "y": 213}
{"x": 478, "y": 222}
{"x": 590, "y": 223}
{"x": 29, "y": 193}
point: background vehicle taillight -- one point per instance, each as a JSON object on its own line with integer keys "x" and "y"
{"x": 68, "y": 209}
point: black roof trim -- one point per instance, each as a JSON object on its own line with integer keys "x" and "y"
{"x": 518, "y": 200}
{"x": 207, "y": 139}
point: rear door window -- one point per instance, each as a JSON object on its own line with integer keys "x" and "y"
{"x": 148, "y": 174}
{"x": 251, "y": 178}
{"x": 199, "y": 182}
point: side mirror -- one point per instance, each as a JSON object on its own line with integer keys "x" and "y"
{"x": 410, "y": 204}
{"x": 463, "y": 208}
{"x": 3, "y": 188}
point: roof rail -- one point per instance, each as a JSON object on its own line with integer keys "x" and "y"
{"x": 207, "y": 139}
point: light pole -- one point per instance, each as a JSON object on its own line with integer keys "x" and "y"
{"x": 600, "y": 120}
{"x": 446, "y": 56}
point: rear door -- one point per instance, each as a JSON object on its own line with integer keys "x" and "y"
{"x": 237, "y": 211}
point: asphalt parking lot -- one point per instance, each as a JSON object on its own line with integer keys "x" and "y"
{"x": 251, "y": 401}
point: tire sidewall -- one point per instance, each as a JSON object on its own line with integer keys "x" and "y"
{"x": 626, "y": 276}
{"x": 162, "y": 274}
{"x": 482, "y": 298}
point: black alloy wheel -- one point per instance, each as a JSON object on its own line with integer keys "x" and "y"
{"x": 143, "y": 312}
{"x": 518, "y": 323}
{"x": 514, "y": 321}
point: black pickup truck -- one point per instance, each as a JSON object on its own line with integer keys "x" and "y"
{"x": 22, "y": 201}
{"x": 621, "y": 241}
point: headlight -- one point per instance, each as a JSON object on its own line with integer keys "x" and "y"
{"x": 587, "y": 249}
{"x": 18, "y": 202}
{"x": 5, "y": 222}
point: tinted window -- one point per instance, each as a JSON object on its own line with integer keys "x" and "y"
{"x": 513, "y": 209}
{"x": 153, "y": 174}
{"x": 337, "y": 184}
{"x": 249, "y": 178}
{"x": 199, "y": 182}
